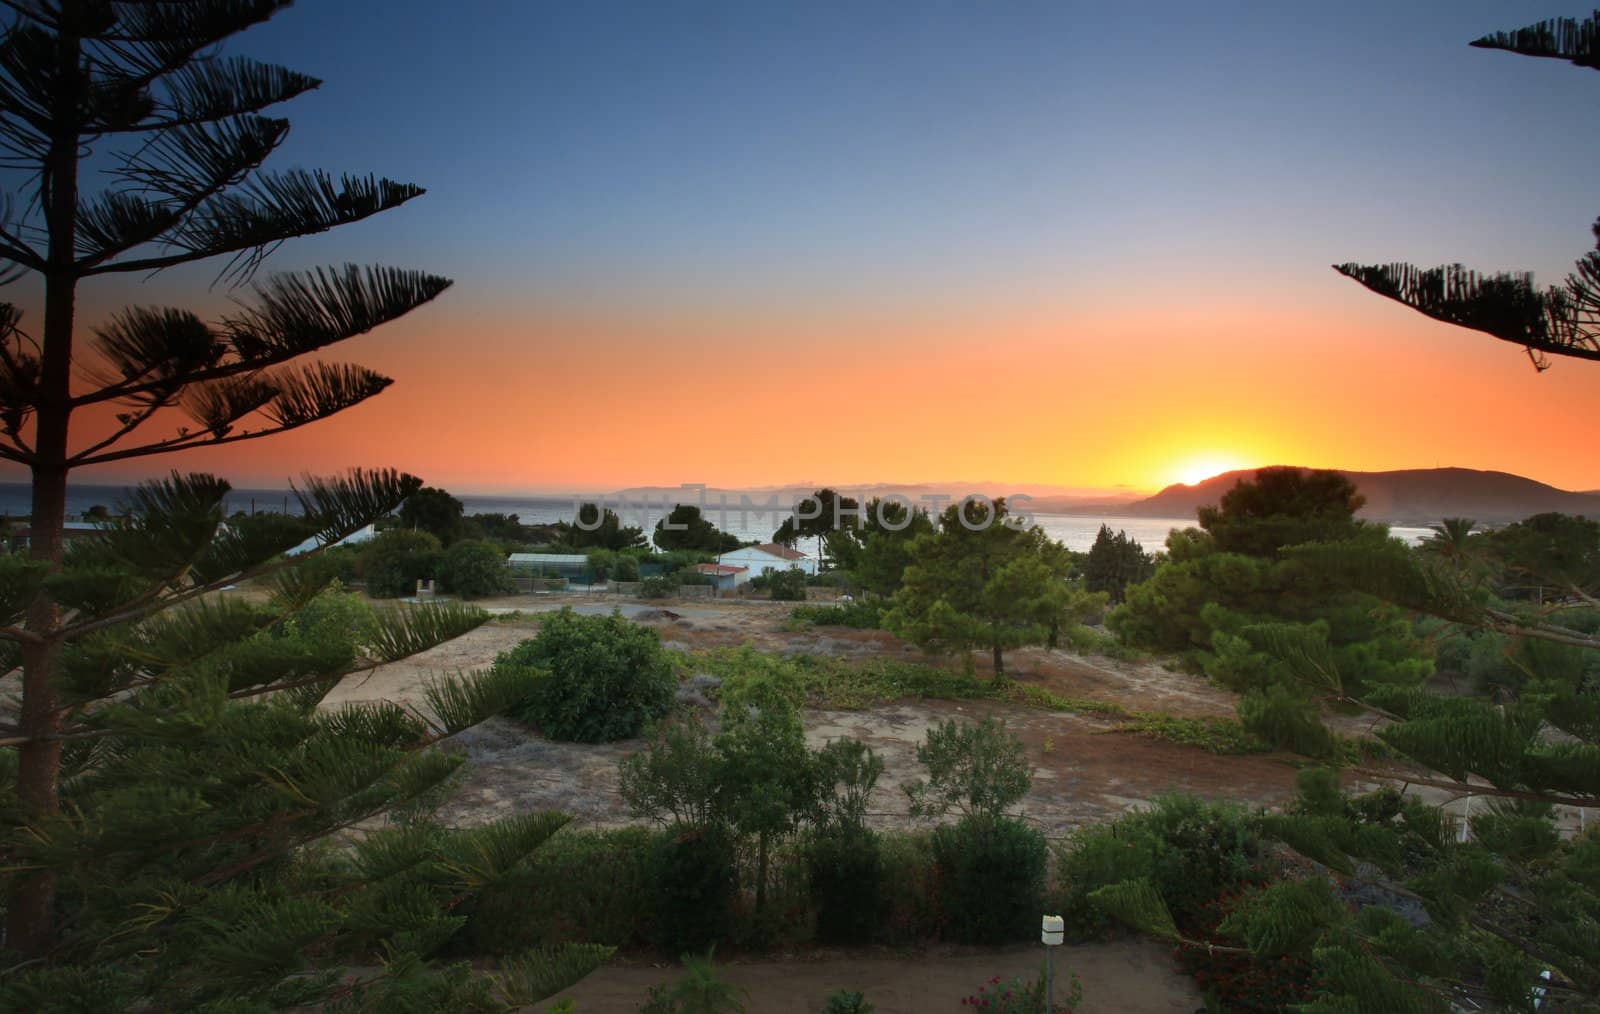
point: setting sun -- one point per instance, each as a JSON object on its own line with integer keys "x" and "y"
{"x": 1200, "y": 469}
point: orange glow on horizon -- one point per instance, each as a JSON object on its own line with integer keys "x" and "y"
{"x": 1101, "y": 393}
{"x": 1198, "y": 469}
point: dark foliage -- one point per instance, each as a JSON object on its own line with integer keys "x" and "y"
{"x": 991, "y": 879}
{"x": 694, "y": 884}
{"x": 604, "y": 677}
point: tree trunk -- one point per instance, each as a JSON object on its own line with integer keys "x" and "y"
{"x": 30, "y": 919}
{"x": 999, "y": 664}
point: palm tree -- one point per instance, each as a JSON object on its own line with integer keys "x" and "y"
{"x": 1452, "y": 540}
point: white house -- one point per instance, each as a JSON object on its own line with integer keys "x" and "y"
{"x": 722, "y": 575}
{"x": 355, "y": 538}
{"x": 758, "y": 560}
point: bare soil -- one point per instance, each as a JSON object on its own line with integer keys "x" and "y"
{"x": 1127, "y": 977}
{"x": 1084, "y": 770}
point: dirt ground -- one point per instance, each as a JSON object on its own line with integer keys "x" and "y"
{"x": 1131, "y": 976}
{"x": 1084, "y": 771}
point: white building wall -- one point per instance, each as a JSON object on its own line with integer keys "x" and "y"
{"x": 757, "y": 562}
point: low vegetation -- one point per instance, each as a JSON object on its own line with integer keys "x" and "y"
{"x": 592, "y": 679}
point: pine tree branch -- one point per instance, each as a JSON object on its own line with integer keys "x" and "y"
{"x": 299, "y": 314}
{"x": 20, "y": 635}
{"x": 1484, "y": 790}
{"x": 1557, "y": 38}
{"x": 184, "y": 443}
{"x": 133, "y": 421}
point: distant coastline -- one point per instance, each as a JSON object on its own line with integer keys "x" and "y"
{"x": 1075, "y": 530}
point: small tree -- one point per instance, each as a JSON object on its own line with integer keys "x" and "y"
{"x": 766, "y": 770}
{"x": 392, "y": 562}
{"x": 979, "y": 582}
{"x": 878, "y": 553}
{"x": 843, "y": 855}
{"x": 1114, "y": 562}
{"x": 473, "y": 568}
{"x": 434, "y": 511}
{"x": 835, "y": 514}
{"x": 977, "y": 770}
{"x": 787, "y": 585}
{"x": 602, "y": 531}
{"x": 991, "y": 866}
{"x": 685, "y": 528}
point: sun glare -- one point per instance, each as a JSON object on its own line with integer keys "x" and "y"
{"x": 1200, "y": 469}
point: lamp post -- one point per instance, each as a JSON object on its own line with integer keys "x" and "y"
{"x": 1052, "y": 933}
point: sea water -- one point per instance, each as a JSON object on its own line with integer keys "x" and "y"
{"x": 1076, "y": 531}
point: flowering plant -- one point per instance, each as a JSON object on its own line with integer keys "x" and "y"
{"x": 1242, "y": 982}
{"x": 1018, "y": 997}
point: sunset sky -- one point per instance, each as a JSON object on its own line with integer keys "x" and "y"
{"x": 750, "y": 244}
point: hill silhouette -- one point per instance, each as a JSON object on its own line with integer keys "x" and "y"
{"x": 1411, "y": 496}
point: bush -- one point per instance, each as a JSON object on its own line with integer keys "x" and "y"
{"x": 1191, "y": 851}
{"x": 991, "y": 879}
{"x": 979, "y": 770}
{"x": 605, "y": 678}
{"x": 701, "y": 989}
{"x": 911, "y": 905}
{"x": 579, "y": 887}
{"x": 787, "y": 585}
{"x": 659, "y": 586}
{"x": 472, "y": 568}
{"x": 625, "y": 568}
{"x": 846, "y": 867}
{"x": 334, "y": 616}
{"x": 694, "y": 888}
{"x": 394, "y": 561}
{"x": 1287, "y": 720}
{"x": 860, "y": 615}
{"x": 843, "y": 1001}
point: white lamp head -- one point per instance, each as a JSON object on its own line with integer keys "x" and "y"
{"x": 1054, "y": 931}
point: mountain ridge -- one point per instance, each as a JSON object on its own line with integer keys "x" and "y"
{"x": 1407, "y": 496}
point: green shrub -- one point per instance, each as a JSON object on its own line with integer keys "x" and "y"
{"x": 677, "y": 778}
{"x": 693, "y": 883}
{"x": 847, "y": 874}
{"x": 472, "y": 568}
{"x": 991, "y": 879}
{"x": 911, "y": 905}
{"x": 1211, "y": 734}
{"x": 659, "y": 586}
{"x": 701, "y": 989}
{"x": 978, "y": 770}
{"x": 605, "y": 678}
{"x": 1287, "y": 720}
{"x": 580, "y": 886}
{"x": 393, "y": 562}
{"x": 334, "y": 616}
{"x": 787, "y": 585}
{"x": 843, "y": 1001}
{"x": 862, "y": 615}
{"x": 1190, "y": 849}
{"x": 625, "y": 567}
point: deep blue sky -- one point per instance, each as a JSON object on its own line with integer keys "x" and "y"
{"x": 843, "y": 145}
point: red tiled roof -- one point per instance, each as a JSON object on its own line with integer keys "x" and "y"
{"x": 781, "y": 551}
{"x": 719, "y": 569}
